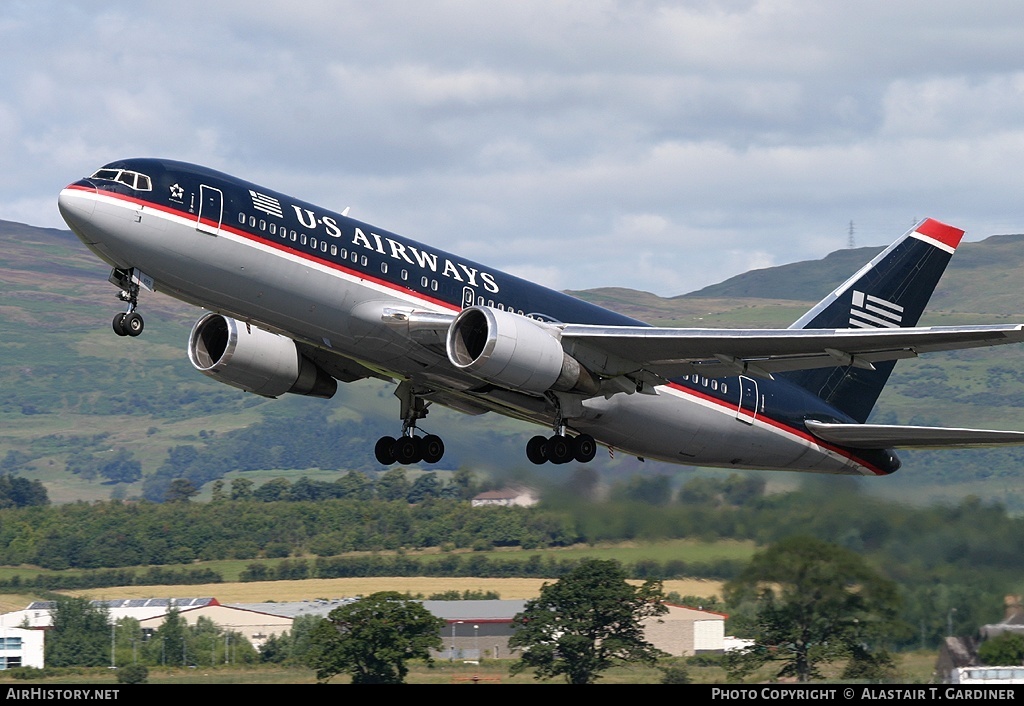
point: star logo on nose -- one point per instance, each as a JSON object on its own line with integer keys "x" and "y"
{"x": 176, "y": 191}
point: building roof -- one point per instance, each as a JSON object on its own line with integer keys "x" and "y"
{"x": 294, "y": 609}
{"x": 475, "y": 611}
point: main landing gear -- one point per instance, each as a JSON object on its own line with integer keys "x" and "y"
{"x": 129, "y": 323}
{"x": 560, "y": 448}
{"x": 409, "y": 448}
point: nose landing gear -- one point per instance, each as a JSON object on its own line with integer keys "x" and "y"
{"x": 130, "y": 323}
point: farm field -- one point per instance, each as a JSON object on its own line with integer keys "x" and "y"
{"x": 311, "y": 589}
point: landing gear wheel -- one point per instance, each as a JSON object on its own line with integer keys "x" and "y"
{"x": 559, "y": 449}
{"x": 432, "y": 447}
{"x": 407, "y": 450}
{"x": 118, "y": 325}
{"x": 132, "y": 324}
{"x": 384, "y": 450}
{"x": 584, "y": 448}
{"x": 535, "y": 450}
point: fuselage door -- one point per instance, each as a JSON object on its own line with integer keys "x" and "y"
{"x": 211, "y": 209}
{"x": 746, "y": 412}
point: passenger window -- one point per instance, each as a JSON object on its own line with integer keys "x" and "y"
{"x": 334, "y": 251}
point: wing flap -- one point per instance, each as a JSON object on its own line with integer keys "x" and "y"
{"x": 888, "y": 436}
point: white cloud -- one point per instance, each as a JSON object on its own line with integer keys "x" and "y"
{"x": 657, "y": 145}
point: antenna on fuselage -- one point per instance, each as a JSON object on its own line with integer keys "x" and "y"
{"x": 345, "y": 212}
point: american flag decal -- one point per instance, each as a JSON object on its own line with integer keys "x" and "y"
{"x": 871, "y": 312}
{"x": 267, "y": 204}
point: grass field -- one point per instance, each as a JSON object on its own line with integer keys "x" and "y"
{"x": 912, "y": 668}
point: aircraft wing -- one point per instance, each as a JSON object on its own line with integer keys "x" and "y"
{"x": 671, "y": 352}
{"x": 886, "y": 436}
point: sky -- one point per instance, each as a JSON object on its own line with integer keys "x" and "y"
{"x": 661, "y": 146}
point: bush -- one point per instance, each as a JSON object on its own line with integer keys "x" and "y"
{"x": 675, "y": 674}
{"x": 132, "y": 674}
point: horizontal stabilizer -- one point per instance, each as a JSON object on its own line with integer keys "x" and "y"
{"x": 889, "y": 436}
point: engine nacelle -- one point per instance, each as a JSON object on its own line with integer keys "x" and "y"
{"x": 243, "y": 356}
{"x": 515, "y": 352}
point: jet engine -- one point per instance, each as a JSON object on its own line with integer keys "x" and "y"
{"x": 244, "y": 356}
{"x": 515, "y": 352}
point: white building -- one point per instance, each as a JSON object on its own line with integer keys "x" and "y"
{"x": 520, "y": 497}
{"x": 21, "y": 648}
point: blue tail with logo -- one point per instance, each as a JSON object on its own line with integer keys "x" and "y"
{"x": 890, "y": 291}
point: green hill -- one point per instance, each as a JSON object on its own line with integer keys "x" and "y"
{"x": 77, "y": 398}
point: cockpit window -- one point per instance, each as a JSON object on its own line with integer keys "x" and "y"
{"x": 134, "y": 180}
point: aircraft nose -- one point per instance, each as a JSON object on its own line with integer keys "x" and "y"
{"x": 75, "y": 207}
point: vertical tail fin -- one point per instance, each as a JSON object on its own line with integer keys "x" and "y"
{"x": 890, "y": 291}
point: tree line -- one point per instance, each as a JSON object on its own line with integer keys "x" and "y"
{"x": 965, "y": 556}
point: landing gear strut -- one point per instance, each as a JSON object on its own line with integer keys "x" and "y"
{"x": 129, "y": 323}
{"x": 409, "y": 448}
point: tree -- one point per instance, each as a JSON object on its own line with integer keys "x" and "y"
{"x": 80, "y": 636}
{"x": 652, "y": 491}
{"x": 425, "y": 486}
{"x": 813, "y": 602}
{"x": 1004, "y": 649}
{"x": 168, "y": 643}
{"x": 372, "y": 639}
{"x": 180, "y": 491}
{"x": 123, "y": 468}
{"x": 586, "y": 622}
{"x": 393, "y": 485}
{"x": 241, "y": 489}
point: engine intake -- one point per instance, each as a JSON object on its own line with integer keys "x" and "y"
{"x": 254, "y": 360}
{"x": 515, "y": 352}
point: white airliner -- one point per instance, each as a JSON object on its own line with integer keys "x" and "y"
{"x": 299, "y": 297}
